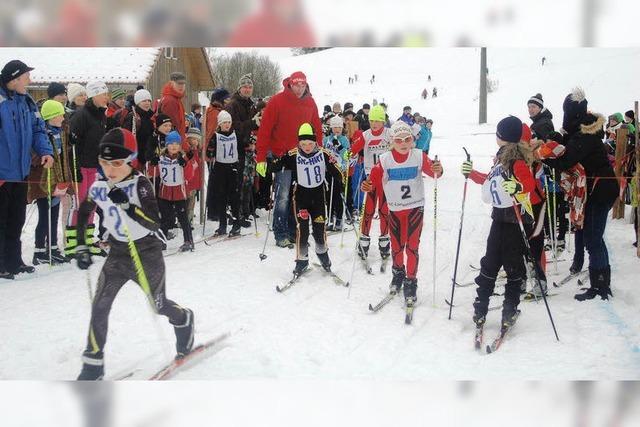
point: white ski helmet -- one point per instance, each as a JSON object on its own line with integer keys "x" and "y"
{"x": 336, "y": 122}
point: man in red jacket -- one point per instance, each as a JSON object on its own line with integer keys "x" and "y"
{"x": 171, "y": 103}
{"x": 282, "y": 117}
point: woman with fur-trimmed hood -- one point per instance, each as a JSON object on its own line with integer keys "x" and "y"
{"x": 583, "y": 134}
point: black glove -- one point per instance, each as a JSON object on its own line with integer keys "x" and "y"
{"x": 181, "y": 161}
{"x": 83, "y": 257}
{"x": 190, "y": 155}
{"x": 336, "y": 143}
{"x": 154, "y": 160}
{"x": 118, "y": 197}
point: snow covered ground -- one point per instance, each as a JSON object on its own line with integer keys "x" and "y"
{"x": 320, "y": 331}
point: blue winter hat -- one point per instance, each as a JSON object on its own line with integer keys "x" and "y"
{"x": 173, "y": 137}
{"x": 509, "y": 129}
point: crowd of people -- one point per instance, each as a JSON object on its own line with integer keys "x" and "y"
{"x": 140, "y": 163}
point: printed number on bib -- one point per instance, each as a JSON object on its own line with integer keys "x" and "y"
{"x": 317, "y": 176}
{"x": 406, "y": 191}
{"x": 166, "y": 172}
{"x": 114, "y": 213}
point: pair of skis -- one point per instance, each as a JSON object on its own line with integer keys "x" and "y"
{"x": 497, "y": 342}
{"x": 198, "y": 353}
{"x": 409, "y": 307}
{"x": 337, "y": 279}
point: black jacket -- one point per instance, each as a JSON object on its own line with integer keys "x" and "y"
{"x": 144, "y": 130}
{"x": 363, "y": 120}
{"x": 87, "y": 127}
{"x": 542, "y": 124}
{"x": 242, "y": 112}
{"x": 586, "y": 147}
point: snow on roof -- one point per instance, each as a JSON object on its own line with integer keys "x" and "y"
{"x": 110, "y": 65}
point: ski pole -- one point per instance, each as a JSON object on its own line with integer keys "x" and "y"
{"x": 435, "y": 225}
{"x": 530, "y": 256}
{"x": 75, "y": 176}
{"x": 346, "y": 188}
{"x": 548, "y": 206}
{"x": 49, "y": 214}
{"x": 555, "y": 220}
{"x": 89, "y": 286}
{"x": 262, "y": 254}
{"x": 330, "y": 216}
{"x": 455, "y": 268}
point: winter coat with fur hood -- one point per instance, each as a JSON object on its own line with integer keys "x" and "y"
{"x": 586, "y": 147}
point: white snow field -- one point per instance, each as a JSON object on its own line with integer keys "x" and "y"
{"x": 320, "y": 331}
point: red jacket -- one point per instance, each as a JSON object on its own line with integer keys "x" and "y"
{"x": 196, "y": 164}
{"x": 281, "y": 119}
{"x": 171, "y": 105}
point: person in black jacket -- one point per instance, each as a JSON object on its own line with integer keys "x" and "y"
{"x": 144, "y": 126}
{"x": 362, "y": 116}
{"x": 583, "y": 140}
{"x": 87, "y": 127}
{"x": 541, "y": 118}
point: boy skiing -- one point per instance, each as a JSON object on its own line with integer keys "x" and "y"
{"x": 132, "y": 219}
{"x": 398, "y": 177}
{"x": 310, "y": 166}
{"x": 374, "y": 142}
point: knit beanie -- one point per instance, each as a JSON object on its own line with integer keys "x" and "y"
{"x": 141, "y": 95}
{"x": 162, "y": 119}
{"x": 224, "y": 116}
{"x": 245, "y": 80}
{"x": 74, "y": 90}
{"x": 95, "y": 88}
{"x": 51, "y": 109}
{"x": 118, "y": 93}
{"x": 55, "y": 89}
{"x": 118, "y": 143}
{"x": 509, "y": 129}
{"x": 306, "y": 133}
{"x": 173, "y": 137}
{"x": 536, "y": 100}
{"x": 400, "y": 130}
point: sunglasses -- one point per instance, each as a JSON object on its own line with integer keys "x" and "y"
{"x": 117, "y": 163}
{"x": 405, "y": 139}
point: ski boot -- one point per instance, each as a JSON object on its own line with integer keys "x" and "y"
{"x": 338, "y": 225}
{"x": 536, "y": 292}
{"x": 576, "y": 266}
{"x": 92, "y": 367}
{"x": 285, "y": 243}
{"x": 220, "y": 232}
{"x": 600, "y": 285}
{"x": 384, "y": 246}
{"x": 397, "y": 279}
{"x": 186, "y": 247}
{"x": 184, "y": 335}
{"x": 330, "y": 226}
{"x": 170, "y": 235}
{"x": 59, "y": 256}
{"x": 509, "y": 316}
{"x": 363, "y": 247}
{"x": 301, "y": 266}
{"x": 480, "y": 310}
{"x": 410, "y": 287}
{"x": 23, "y": 268}
{"x": 235, "y": 230}
{"x": 6, "y": 275}
{"x": 245, "y": 223}
{"x": 41, "y": 256}
{"x": 324, "y": 260}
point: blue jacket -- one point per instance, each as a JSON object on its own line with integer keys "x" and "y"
{"x": 337, "y": 151}
{"x": 424, "y": 138}
{"x": 21, "y": 131}
{"x": 407, "y": 118}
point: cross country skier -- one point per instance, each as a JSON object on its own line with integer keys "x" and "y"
{"x": 132, "y": 219}
{"x": 227, "y": 173}
{"x": 510, "y": 176}
{"x": 398, "y": 176}
{"x": 374, "y": 142}
{"x": 311, "y": 167}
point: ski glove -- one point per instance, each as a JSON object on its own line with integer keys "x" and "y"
{"x": 261, "y": 168}
{"x": 467, "y": 167}
{"x": 83, "y": 257}
{"x": 119, "y": 197}
{"x": 511, "y": 186}
{"x": 182, "y": 161}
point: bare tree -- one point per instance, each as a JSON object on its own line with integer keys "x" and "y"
{"x": 265, "y": 73}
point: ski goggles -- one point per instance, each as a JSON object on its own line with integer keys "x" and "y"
{"x": 117, "y": 163}
{"x": 406, "y": 139}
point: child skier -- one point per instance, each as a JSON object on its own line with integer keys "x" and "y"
{"x": 337, "y": 144}
{"x": 310, "y": 166}
{"x": 175, "y": 172}
{"x": 248, "y": 180}
{"x": 223, "y": 147}
{"x": 194, "y": 141}
{"x": 374, "y": 142}
{"x": 398, "y": 176}
{"x": 155, "y": 145}
{"x": 127, "y": 199}
{"x": 510, "y": 177}
{"x": 47, "y": 186}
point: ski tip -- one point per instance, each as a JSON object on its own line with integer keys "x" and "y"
{"x": 407, "y": 320}
{"x": 370, "y": 307}
{"x": 278, "y": 289}
{"x": 555, "y": 285}
{"x": 488, "y": 349}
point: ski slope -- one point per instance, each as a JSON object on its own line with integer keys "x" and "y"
{"x": 318, "y": 330}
